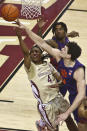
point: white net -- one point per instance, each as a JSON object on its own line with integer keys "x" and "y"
{"x": 31, "y": 8}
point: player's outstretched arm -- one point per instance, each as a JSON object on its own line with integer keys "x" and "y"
{"x": 81, "y": 89}
{"x": 41, "y": 42}
{"x": 24, "y": 49}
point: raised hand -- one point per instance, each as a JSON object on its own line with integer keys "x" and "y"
{"x": 41, "y": 22}
{"x": 20, "y": 25}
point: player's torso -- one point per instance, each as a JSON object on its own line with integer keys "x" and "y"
{"x": 42, "y": 76}
{"x": 67, "y": 74}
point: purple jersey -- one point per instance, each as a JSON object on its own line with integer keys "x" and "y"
{"x": 67, "y": 76}
{"x": 61, "y": 45}
{"x": 69, "y": 82}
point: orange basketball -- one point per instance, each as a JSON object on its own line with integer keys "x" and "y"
{"x": 9, "y": 12}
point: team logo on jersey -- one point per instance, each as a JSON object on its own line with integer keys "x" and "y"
{"x": 70, "y": 72}
{"x": 64, "y": 73}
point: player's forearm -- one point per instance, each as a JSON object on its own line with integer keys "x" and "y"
{"x": 34, "y": 37}
{"x": 76, "y": 102}
{"x": 21, "y": 42}
{"x": 72, "y": 34}
{"x": 68, "y": 35}
{"x": 39, "y": 33}
{"x": 23, "y": 46}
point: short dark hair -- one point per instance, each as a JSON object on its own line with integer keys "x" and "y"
{"x": 64, "y": 26}
{"x": 36, "y": 46}
{"x": 74, "y": 49}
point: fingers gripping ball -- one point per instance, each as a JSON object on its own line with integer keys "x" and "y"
{"x": 9, "y": 12}
{"x": 82, "y": 111}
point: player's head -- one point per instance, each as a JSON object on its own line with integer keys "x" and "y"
{"x": 72, "y": 50}
{"x": 59, "y": 30}
{"x": 36, "y": 54}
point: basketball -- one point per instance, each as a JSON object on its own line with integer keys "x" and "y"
{"x": 9, "y": 12}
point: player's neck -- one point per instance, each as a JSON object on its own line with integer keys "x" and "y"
{"x": 38, "y": 62}
{"x": 62, "y": 40}
{"x": 69, "y": 63}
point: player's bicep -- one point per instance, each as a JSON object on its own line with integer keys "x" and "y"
{"x": 81, "y": 87}
{"x": 80, "y": 79}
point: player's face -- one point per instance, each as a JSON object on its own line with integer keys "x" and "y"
{"x": 64, "y": 52}
{"x": 36, "y": 55}
{"x": 59, "y": 32}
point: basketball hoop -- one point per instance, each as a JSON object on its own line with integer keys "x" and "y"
{"x": 31, "y": 9}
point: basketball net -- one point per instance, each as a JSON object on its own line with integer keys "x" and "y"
{"x": 31, "y": 9}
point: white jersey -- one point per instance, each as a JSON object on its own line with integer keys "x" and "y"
{"x": 42, "y": 76}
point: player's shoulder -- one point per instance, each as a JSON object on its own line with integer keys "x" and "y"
{"x": 79, "y": 73}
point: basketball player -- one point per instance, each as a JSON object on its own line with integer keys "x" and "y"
{"x": 71, "y": 70}
{"x": 45, "y": 87}
{"x": 59, "y": 40}
{"x": 41, "y": 22}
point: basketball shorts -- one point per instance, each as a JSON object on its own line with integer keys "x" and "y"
{"x": 52, "y": 109}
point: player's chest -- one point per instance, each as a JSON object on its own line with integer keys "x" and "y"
{"x": 43, "y": 71}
